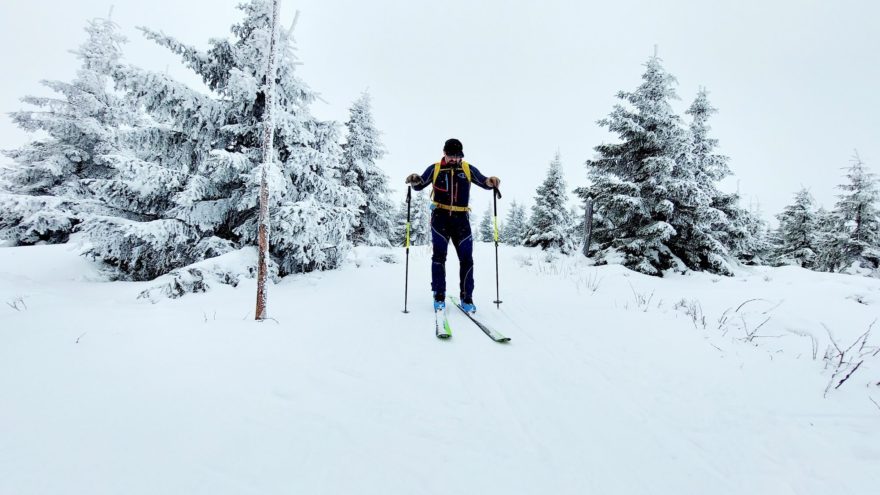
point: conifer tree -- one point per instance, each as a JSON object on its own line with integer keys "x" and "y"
{"x": 515, "y": 224}
{"x": 632, "y": 181}
{"x": 827, "y": 231}
{"x": 48, "y": 183}
{"x": 655, "y": 195}
{"x": 214, "y": 140}
{"x": 360, "y": 153}
{"x": 796, "y": 236}
{"x": 487, "y": 229}
{"x": 759, "y": 234}
{"x": 745, "y": 233}
{"x": 576, "y": 225}
{"x": 857, "y": 240}
{"x": 420, "y": 219}
{"x": 710, "y": 167}
{"x": 549, "y": 226}
{"x": 699, "y": 223}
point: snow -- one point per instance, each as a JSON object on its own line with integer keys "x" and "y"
{"x": 612, "y": 390}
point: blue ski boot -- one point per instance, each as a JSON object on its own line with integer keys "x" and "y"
{"x": 468, "y": 305}
{"x": 439, "y": 301}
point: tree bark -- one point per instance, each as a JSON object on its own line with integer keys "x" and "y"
{"x": 588, "y": 226}
{"x": 268, "y": 148}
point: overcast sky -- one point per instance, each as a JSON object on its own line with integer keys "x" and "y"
{"x": 797, "y": 82}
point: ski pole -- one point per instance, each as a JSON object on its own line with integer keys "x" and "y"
{"x": 495, "y": 197}
{"x": 406, "y": 243}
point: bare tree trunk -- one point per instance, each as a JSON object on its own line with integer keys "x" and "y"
{"x": 588, "y": 226}
{"x": 268, "y": 149}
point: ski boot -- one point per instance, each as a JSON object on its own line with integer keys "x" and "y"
{"x": 467, "y": 304}
{"x": 439, "y": 301}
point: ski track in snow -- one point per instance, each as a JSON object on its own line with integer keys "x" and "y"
{"x": 343, "y": 393}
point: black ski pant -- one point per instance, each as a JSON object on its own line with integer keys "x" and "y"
{"x": 456, "y": 227}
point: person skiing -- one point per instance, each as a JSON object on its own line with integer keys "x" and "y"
{"x": 451, "y": 179}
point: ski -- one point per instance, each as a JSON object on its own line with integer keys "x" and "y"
{"x": 492, "y": 333}
{"x": 441, "y": 327}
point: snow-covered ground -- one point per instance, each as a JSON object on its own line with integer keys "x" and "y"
{"x": 613, "y": 383}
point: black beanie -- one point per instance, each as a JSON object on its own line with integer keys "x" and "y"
{"x": 453, "y": 148}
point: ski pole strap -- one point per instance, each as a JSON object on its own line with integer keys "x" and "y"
{"x": 496, "y": 228}
{"x": 450, "y": 207}
{"x": 407, "y": 235}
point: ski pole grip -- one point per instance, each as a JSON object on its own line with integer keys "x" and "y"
{"x": 497, "y": 192}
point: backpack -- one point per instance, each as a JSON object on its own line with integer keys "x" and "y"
{"x": 467, "y": 173}
{"x": 464, "y": 165}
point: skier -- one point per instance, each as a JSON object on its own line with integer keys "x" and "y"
{"x": 451, "y": 179}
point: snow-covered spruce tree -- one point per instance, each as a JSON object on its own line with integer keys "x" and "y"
{"x": 699, "y": 222}
{"x": 48, "y": 194}
{"x": 827, "y": 231}
{"x": 633, "y": 182}
{"x": 857, "y": 243}
{"x": 550, "y": 224}
{"x": 746, "y": 233}
{"x": 796, "y": 237}
{"x": 710, "y": 167}
{"x": 360, "y": 153}
{"x": 216, "y": 140}
{"x": 420, "y": 220}
{"x": 576, "y": 225}
{"x": 759, "y": 234}
{"x": 515, "y": 225}
{"x": 487, "y": 229}
{"x": 742, "y": 233}
{"x": 654, "y": 194}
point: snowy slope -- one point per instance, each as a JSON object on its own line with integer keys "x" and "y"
{"x": 615, "y": 390}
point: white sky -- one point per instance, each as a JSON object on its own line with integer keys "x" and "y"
{"x": 796, "y": 82}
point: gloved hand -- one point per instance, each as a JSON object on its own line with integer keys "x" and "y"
{"x": 493, "y": 181}
{"x": 414, "y": 179}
